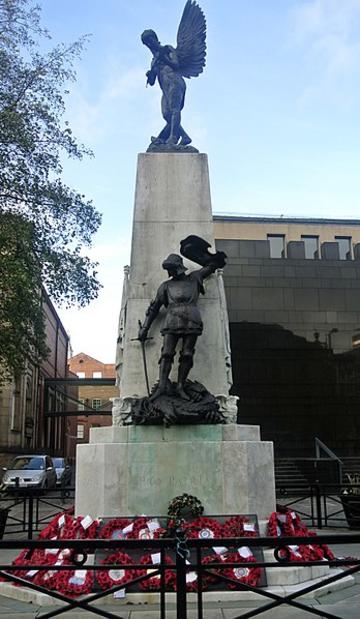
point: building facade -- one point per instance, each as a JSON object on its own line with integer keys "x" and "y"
{"x": 295, "y": 329}
{"x": 23, "y": 424}
{"x": 90, "y": 396}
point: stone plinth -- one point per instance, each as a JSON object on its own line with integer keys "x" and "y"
{"x": 133, "y": 470}
{"x": 172, "y": 201}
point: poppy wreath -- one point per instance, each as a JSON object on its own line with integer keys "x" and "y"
{"x": 184, "y": 505}
{"x": 153, "y": 584}
{"x": 52, "y": 530}
{"x": 246, "y": 575}
{"x": 288, "y": 523}
{"x": 75, "y": 530}
{"x": 207, "y": 579}
{"x": 235, "y": 527}
{"x": 281, "y": 523}
{"x": 25, "y": 558}
{"x": 37, "y": 557}
{"x": 316, "y": 552}
{"x": 114, "y": 529}
{"x": 48, "y": 579}
{"x": 203, "y": 528}
{"x": 64, "y": 586}
{"x": 142, "y": 531}
{"x": 110, "y": 577}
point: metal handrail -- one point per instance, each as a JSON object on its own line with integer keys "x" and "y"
{"x": 319, "y": 445}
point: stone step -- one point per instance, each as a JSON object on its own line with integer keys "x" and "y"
{"x": 294, "y": 575}
{"x": 39, "y": 599}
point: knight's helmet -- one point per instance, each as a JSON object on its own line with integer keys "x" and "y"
{"x": 174, "y": 260}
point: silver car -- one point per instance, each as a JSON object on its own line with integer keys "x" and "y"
{"x": 32, "y": 471}
{"x": 63, "y": 471}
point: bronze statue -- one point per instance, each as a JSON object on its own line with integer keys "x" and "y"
{"x": 184, "y": 401}
{"x": 170, "y": 66}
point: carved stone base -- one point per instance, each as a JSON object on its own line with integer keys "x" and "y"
{"x": 138, "y": 470}
{"x": 228, "y": 407}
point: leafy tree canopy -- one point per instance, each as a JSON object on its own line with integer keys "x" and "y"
{"x": 44, "y": 224}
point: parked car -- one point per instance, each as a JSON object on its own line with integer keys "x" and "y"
{"x": 63, "y": 471}
{"x": 34, "y": 471}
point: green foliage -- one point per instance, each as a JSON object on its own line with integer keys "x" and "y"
{"x": 57, "y": 221}
{"x": 21, "y": 316}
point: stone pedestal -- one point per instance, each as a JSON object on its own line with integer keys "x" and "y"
{"x": 130, "y": 470}
{"x": 172, "y": 201}
{"x": 133, "y": 470}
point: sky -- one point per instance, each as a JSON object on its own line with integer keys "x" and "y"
{"x": 276, "y": 110}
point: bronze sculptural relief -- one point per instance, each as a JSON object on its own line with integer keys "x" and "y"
{"x": 169, "y": 66}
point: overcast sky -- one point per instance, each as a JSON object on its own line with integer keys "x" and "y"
{"x": 276, "y": 110}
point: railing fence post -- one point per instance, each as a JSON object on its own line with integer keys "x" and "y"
{"x": 318, "y": 506}
{"x": 181, "y": 553}
{"x": 31, "y": 516}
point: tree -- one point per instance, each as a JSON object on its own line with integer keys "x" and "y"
{"x": 44, "y": 224}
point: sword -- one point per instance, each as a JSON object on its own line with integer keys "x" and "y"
{"x": 142, "y": 342}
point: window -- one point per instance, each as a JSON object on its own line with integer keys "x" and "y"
{"x": 96, "y": 404}
{"x": 80, "y": 405}
{"x": 97, "y": 374}
{"x": 344, "y": 243}
{"x": 80, "y": 374}
{"x": 80, "y": 431}
{"x": 311, "y": 246}
{"x": 277, "y": 245}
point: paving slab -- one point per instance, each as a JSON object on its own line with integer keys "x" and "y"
{"x": 276, "y": 613}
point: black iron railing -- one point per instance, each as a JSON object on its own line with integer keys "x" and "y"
{"x": 31, "y": 509}
{"x": 188, "y": 555}
{"x": 323, "y": 505}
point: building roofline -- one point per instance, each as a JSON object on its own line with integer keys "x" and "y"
{"x": 84, "y": 354}
{"x": 285, "y": 220}
{"x": 54, "y": 311}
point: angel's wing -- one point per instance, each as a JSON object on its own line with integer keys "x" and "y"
{"x": 191, "y": 40}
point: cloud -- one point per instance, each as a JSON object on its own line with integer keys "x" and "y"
{"x": 93, "y": 329}
{"x": 329, "y": 29}
{"x": 93, "y": 118}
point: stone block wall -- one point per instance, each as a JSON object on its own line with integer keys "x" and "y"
{"x": 295, "y": 336}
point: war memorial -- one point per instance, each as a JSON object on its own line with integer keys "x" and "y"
{"x": 176, "y": 464}
{"x": 174, "y": 425}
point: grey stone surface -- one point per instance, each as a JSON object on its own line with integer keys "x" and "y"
{"x": 357, "y": 251}
{"x": 305, "y": 301}
{"x": 332, "y": 299}
{"x": 230, "y": 475}
{"x": 240, "y": 298}
{"x": 330, "y": 251}
{"x": 267, "y": 297}
{"x": 352, "y": 300}
{"x": 296, "y": 249}
{"x": 172, "y": 200}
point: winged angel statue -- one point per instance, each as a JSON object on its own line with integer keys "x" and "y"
{"x": 170, "y": 66}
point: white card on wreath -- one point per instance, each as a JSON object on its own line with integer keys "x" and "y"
{"x": 128, "y": 529}
{"x": 220, "y": 550}
{"x": 245, "y": 552}
{"x": 153, "y": 525}
{"x": 156, "y": 558}
{"x": 86, "y": 522}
